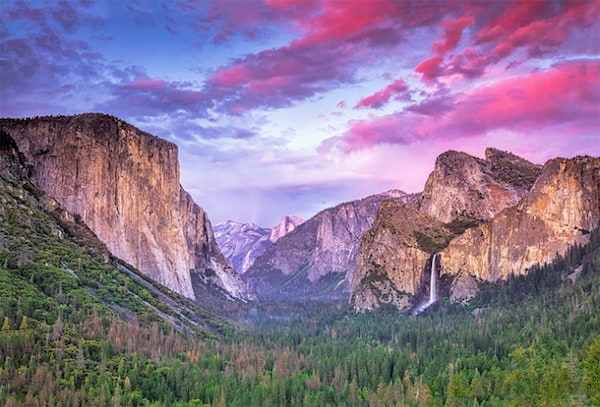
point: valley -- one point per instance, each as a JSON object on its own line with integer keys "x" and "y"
{"x": 395, "y": 299}
{"x": 289, "y": 203}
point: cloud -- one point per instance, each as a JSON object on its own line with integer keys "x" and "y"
{"x": 433, "y": 106}
{"x": 397, "y": 89}
{"x": 562, "y": 100}
{"x": 279, "y": 77}
{"x": 254, "y": 20}
{"x": 502, "y": 29}
{"x": 453, "y": 30}
{"x": 42, "y": 65}
{"x": 144, "y": 96}
{"x": 336, "y": 40}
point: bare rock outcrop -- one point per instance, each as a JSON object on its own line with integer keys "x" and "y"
{"x": 463, "y": 185}
{"x": 488, "y": 219}
{"x": 124, "y": 184}
{"x": 560, "y": 210}
{"x": 392, "y": 258}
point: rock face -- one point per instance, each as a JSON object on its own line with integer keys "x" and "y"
{"x": 392, "y": 261}
{"x": 286, "y": 225}
{"x": 463, "y": 289}
{"x": 524, "y": 226}
{"x": 560, "y": 210}
{"x": 318, "y": 257}
{"x": 463, "y": 185}
{"x": 242, "y": 243}
{"x": 124, "y": 184}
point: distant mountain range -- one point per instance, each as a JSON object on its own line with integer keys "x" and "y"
{"x": 242, "y": 243}
{"x": 319, "y": 256}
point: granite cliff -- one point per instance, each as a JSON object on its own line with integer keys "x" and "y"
{"x": 318, "y": 258}
{"x": 392, "y": 257}
{"x": 123, "y": 184}
{"x": 487, "y": 218}
{"x": 285, "y": 226}
{"x": 560, "y": 210}
{"x": 463, "y": 185}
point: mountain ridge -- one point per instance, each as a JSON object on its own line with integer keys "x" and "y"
{"x": 241, "y": 243}
{"x": 317, "y": 258}
{"x": 507, "y": 237}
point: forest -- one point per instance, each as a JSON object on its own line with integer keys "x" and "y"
{"x": 80, "y": 329}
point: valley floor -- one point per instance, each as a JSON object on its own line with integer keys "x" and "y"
{"x": 530, "y": 341}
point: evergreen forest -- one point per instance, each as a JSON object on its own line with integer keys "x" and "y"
{"x": 79, "y": 328}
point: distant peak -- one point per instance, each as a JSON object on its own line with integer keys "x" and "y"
{"x": 291, "y": 218}
{"x": 286, "y": 225}
{"x": 394, "y": 193}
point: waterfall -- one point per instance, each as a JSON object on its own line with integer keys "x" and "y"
{"x": 432, "y": 288}
{"x": 433, "y": 281}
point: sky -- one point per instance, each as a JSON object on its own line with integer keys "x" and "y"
{"x": 292, "y": 106}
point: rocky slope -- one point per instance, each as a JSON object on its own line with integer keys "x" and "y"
{"x": 285, "y": 226}
{"x": 48, "y": 259}
{"x": 465, "y": 185}
{"x": 560, "y": 210}
{"x": 242, "y": 243}
{"x": 319, "y": 256}
{"x": 124, "y": 184}
{"x": 527, "y": 223}
{"x": 393, "y": 260}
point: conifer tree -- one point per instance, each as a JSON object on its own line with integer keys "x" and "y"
{"x": 6, "y": 324}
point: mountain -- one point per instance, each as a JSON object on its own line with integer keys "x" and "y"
{"x": 285, "y": 226}
{"x": 463, "y": 185}
{"x": 242, "y": 243}
{"x": 501, "y": 216}
{"x": 123, "y": 184}
{"x": 393, "y": 256}
{"x": 53, "y": 266}
{"x": 318, "y": 257}
{"x": 561, "y": 210}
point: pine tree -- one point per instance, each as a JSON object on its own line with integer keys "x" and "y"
{"x": 6, "y": 324}
{"x": 24, "y": 324}
{"x": 221, "y": 402}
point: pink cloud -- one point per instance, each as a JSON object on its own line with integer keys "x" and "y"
{"x": 564, "y": 100}
{"x": 231, "y": 76}
{"x": 430, "y": 68}
{"x": 282, "y": 4}
{"x": 452, "y": 33}
{"x": 502, "y": 28}
{"x": 342, "y": 20}
{"x": 143, "y": 83}
{"x": 397, "y": 88}
{"x": 337, "y": 38}
{"x": 515, "y": 15}
{"x": 541, "y": 36}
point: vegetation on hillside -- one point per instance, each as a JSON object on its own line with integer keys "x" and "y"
{"x": 532, "y": 340}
